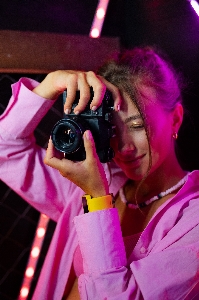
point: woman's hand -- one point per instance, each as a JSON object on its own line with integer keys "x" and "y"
{"x": 89, "y": 174}
{"x": 55, "y": 83}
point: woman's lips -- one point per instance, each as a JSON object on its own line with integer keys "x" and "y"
{"x": 130, "y": 159}
{"x": 129, "y": 162}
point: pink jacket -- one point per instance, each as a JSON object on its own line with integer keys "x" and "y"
{"x": 165, "y": 261}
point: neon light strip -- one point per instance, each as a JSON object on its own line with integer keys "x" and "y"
{"x": 34, "y": 256}
{"x": 99, "y": 17}
{"x": 195, "y": 6}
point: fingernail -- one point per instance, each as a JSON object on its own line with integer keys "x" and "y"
{"x": 94, "y": 107}
{"x": 76, "y": 112}
{"x": 88, "y": 135}
{"x": 67, "y": 111}
{"x": 118, "y": 107}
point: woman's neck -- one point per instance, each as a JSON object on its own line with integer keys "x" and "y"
{"x": 156, "y": 182}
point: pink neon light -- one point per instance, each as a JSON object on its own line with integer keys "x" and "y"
{"x": 98, "y": 20}
{"x": 40, "y": 232}
{"x": 195, "y": 6}
{"x": 100, "y": 13}
{"x": 29, "y": 272}
{"x": 95, "y": 33}
{"x": 33, "y": 258}
{"x": 35, "y": 252}
{"x": 24, "y": 292}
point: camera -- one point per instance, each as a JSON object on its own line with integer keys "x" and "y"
{"x": 67, "y": 133}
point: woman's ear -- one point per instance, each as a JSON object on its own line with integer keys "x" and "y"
{"x": 177, "y": 117}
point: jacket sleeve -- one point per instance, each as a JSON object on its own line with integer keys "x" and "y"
{"x": 21, "y": 160}
{"x": 168, "y": 274}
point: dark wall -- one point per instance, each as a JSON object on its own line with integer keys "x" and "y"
{"x": 63, "y": 16}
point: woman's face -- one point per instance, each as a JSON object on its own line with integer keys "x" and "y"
{"x": 131, "y": 144}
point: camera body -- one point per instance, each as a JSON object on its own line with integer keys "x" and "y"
{"x": 67, "y": 133}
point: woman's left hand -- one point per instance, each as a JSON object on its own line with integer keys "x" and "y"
{"x": 89, "y": 174}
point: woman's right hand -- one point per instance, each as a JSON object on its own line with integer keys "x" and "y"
{"x": 88, "y": 174}
{"x": 55, "y": 83}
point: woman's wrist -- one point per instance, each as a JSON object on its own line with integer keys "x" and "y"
{"x": 91, "y": 204}
{"x": 46, "y": 88}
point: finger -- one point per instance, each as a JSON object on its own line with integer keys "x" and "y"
{"x": 50, "y": 151}
{"x": 89, "y": 145}
{"x": 71, "y": 92}
{"x": 98, "y": 177}
{"x": 85, "y": 94}
{"x": 115, "y": 93}
{"x": 99, "y": 89}
{"x": 50, "y": 158}
{"x": 85, "y": 81}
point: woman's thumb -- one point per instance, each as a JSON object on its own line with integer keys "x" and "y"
{"x": 89, "y": 144}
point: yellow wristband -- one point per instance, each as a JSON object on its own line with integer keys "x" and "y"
{"x": 93, "y": 204}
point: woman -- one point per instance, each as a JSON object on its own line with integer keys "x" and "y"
{"x": 147, "y": 246}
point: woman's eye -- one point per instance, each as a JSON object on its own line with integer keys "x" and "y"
{"x": 136, "y": 126}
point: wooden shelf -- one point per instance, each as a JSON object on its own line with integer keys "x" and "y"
{"x": 36, "y": 52}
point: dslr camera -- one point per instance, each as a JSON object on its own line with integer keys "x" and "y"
{"x": 67, "y": 133}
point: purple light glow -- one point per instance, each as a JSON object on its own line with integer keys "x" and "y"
{"x": 195, "y": 6}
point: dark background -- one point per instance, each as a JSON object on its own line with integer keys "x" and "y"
{"x": 171, "y": 25}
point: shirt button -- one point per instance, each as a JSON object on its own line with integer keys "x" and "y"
{"x": 142, "y": 250}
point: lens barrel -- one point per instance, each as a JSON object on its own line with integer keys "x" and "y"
{"x": 67, "y": 135}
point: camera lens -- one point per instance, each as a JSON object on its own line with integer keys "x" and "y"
{"x": 67, "y": 135}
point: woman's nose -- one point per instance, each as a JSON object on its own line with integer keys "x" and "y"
{"x": 125, "y": 144}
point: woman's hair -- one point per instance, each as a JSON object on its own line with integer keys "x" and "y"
{"x": 144, "y": 65}
{"x": 129, "y": 69}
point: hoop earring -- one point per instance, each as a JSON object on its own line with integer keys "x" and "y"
{"x": 175, "y": 135}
